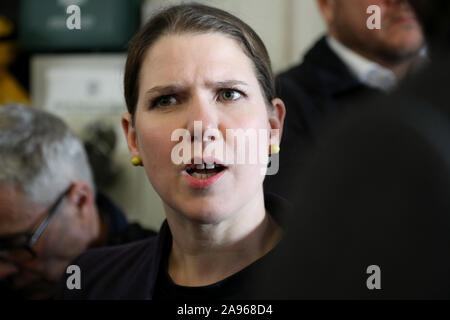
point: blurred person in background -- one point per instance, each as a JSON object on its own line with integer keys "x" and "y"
{"x": 49, "y": 210}
{"x": 349, "y": 66}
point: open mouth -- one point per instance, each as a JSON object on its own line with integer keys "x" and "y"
{"x": 204, "y": 170}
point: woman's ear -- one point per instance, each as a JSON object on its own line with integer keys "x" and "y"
{"x": 130, "y": 134}
{"x": 276, "y": 116}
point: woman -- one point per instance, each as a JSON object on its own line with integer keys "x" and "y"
{"x": 191, "y": 65}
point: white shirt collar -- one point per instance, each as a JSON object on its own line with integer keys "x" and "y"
{"x": 368, "y": 72}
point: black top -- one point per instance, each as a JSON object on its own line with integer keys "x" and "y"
{"x": 234, "y": 287}
{"x": 312, "y": 91}
{"x": 139, "y": 270}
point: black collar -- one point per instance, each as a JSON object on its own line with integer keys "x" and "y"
{"x": 277, "y": 207}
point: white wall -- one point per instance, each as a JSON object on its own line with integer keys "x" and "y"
{"x": 287, "y": 27}
{"x": 307, "y": 26}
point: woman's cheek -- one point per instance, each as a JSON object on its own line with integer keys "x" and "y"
{"x": 155, "y": 151}
{"x": 157, "y": 162}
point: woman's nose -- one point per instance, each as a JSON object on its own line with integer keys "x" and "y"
{"x": 202, "y": 118}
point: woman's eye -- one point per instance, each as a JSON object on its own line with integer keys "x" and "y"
{"x": 230, "y": 95}
{"x": 164, "y": 101}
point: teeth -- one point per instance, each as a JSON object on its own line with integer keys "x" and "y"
{"x": 200, "y": 166}
{"x": 202, "y": 175}
{"x": 210, "y": 166}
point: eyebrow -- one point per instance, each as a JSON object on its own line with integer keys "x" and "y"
{"x": 210, "y": 84}
{"x": 226, "y": 83}
{"x": 165, "y": 89}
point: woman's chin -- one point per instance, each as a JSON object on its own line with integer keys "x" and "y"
{"x": 203, "y": 214}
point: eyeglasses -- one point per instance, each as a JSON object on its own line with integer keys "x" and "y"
{"x": 19, "y": 248}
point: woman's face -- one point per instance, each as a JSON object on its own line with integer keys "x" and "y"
{"x": 206, "y": 78}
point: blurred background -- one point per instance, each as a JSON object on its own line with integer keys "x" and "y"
{"x": 77, "y": 74}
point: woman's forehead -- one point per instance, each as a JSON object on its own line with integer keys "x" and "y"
{"x": 196, "y": 57}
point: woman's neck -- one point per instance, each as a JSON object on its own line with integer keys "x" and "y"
{"x": 204, "y": 254}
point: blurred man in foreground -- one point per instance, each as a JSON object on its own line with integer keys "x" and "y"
{"x": 373, "y": 198}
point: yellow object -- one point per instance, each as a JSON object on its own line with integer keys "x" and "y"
{"x": 10, "y": 89}
{"x": 6, "y": 26}
{"x": 136, "y": 161}
{"x": 274, "y": 149}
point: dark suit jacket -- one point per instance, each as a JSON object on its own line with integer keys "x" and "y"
{"x": 313, "y": 91}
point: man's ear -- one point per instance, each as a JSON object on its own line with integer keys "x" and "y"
{"x": 130, "y": 134}
{"x": 82, "y": 198}
{"x": 327, "y": 9}
{"x": 276, "y": 116}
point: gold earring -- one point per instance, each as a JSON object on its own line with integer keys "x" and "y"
{"x": 136, "y": 161}
{"x": 274, "y": 149}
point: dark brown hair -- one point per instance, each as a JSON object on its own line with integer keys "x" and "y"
{"x": 195, "y": 18}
